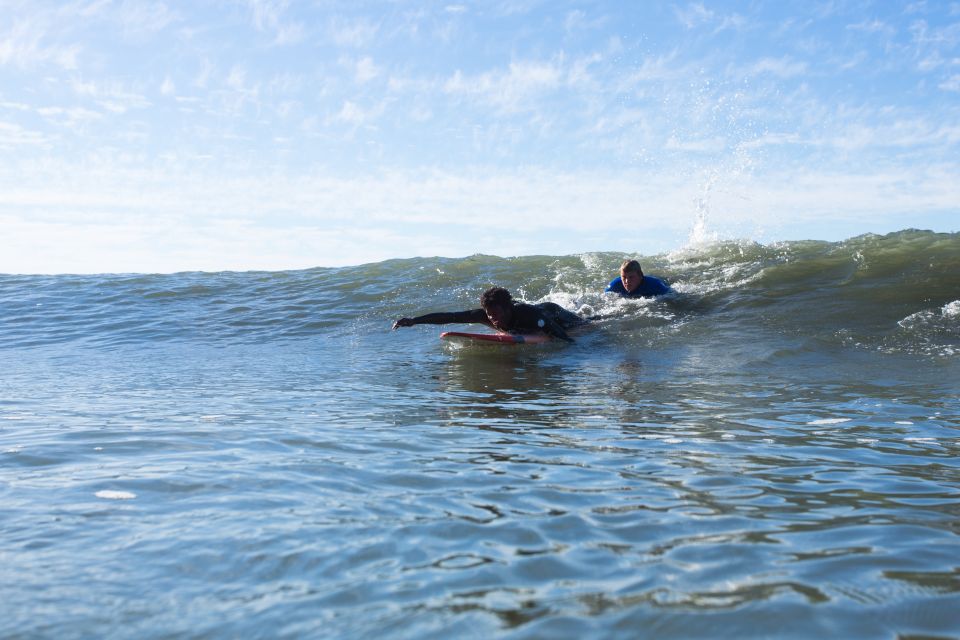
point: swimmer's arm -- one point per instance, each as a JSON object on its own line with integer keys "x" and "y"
{"x": 445, "y": 317}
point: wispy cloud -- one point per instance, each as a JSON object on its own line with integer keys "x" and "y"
{"x": 578, "y": 20}
{"x": 914, "y": 133}
{"x": 951, "y": 84}
{"x": 13, "y": 136}
{"x": 873, "y": 26}
{"x": 781, "y": 67}
{"x": 352, "y": 114}
{"x": 694, "y": 15}
{"x": 237, "y": 92}
{"x": 70, "y": 118}
{"x": 142, "y": 19}
{"x": 510, "y": 90}
{"x": 363, "y": 69}
{"x": 24, "y": 44}
{"x": 269, "y": 16}
{"x": 111, "y": 95}
{"x": 135, "y": 221}
{"x": 355, "y": 33}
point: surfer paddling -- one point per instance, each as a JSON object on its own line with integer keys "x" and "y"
{"x": 498, "y": 310}
{"x": 633, "y": 284}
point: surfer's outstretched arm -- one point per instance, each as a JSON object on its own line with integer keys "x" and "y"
{"x": 445, "y": 317}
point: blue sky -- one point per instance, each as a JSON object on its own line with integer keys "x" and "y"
{"x": 157, "y": 136}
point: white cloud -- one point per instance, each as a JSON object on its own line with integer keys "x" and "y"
{"x": 655, "y": 68}
{"x": 510, "y": 90}
{"x": 365, "y": 70}
{"x": 574, "y": 20}
{"x": 136, "y": 221}
{"x": 16, "y": 106}
{"x": 71, "y": 118}
{"x": 140, "y": 19}
{"x": 854, "y": 61}
{"x": 735, "y": 22}
{"x": 514, "y": 7}
{"x": 13, "y": 136}
{"x": 579, "y": 73}
{"x": 117, "y": 219}
{"x": 268, "y": 16}
{"x": 694, "y": 15}
{"x": 352, "y": 114}
{"x": 941, "y": 38}
{"x": 916, "y": 133}
{"x": 783, "y": 67}
{"x": 238, "y": 92}
{"x": 951, "y": 84}
{"x": 872, "y": 26}
{"x": 578, "y": 20}
{"x": 23, "y": 45}
{"x": 818, "y": 196}
{"x": 352, "y": 33}
{"x": 111, "y": 95}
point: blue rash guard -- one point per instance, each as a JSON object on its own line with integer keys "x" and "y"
{"x": 649, "y": 286}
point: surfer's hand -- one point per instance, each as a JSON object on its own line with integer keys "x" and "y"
{"x": 403, "y": 322}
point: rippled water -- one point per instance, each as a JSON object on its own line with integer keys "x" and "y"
{"x": 258, "y": 455}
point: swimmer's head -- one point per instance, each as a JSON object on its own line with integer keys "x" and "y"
{"x": 631, "y": 275}
{"x": 498, "y": 305}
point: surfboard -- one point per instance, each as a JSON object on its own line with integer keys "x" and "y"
{"x": 501, "y": 338}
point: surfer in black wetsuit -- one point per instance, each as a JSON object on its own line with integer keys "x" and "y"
{"x": 498, "y": 310}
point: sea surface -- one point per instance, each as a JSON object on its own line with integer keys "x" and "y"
{"x": 771, "y": 451}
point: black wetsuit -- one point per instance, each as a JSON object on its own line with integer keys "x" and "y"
{"x": 548, "y": 317}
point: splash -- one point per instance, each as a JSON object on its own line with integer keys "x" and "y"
{"x": 699, "y": 235}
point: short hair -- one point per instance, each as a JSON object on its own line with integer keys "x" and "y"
{"x": 496, "y": 296}
{"x": 631, "y": 265}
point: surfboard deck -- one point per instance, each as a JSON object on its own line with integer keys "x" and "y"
{"x": 501, "y": 338}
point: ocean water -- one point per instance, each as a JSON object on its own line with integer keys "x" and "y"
{"x": 772, "y": 451}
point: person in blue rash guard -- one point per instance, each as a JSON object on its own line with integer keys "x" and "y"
{"x": 633, "y": 284}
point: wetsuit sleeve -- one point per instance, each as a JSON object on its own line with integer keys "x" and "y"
{"x": 473, "y": 316}
{"x": 615, "y": 286}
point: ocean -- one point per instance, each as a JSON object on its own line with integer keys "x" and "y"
{"x": 771, "y": 451}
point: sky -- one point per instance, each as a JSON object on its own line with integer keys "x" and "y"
{"x": 153, "y": 136}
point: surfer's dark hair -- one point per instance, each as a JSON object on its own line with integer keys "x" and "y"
{"x": 496, "y": 297}
{"x": 631, "y": 265}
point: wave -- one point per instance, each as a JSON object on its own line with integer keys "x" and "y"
{"x": 895, "y": 292}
